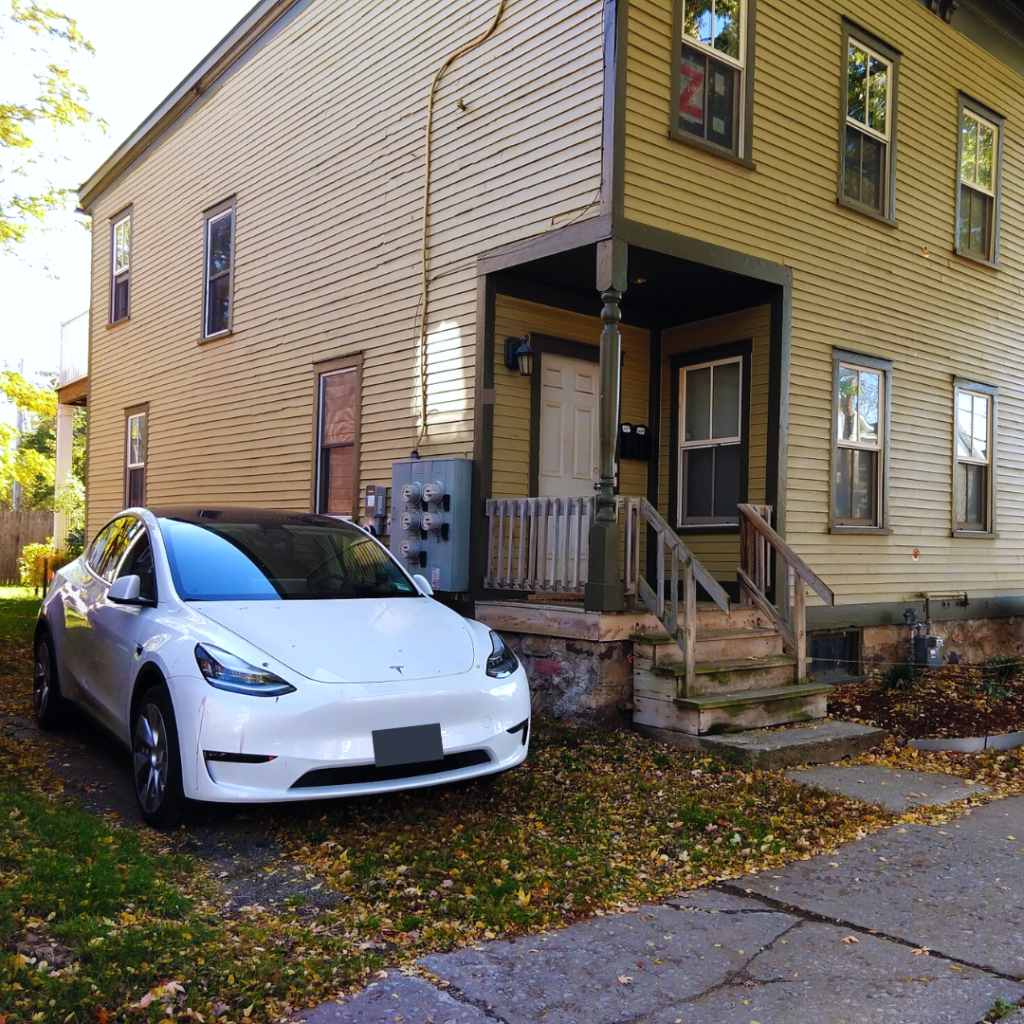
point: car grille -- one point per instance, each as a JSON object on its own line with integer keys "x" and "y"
{"x": 360, "y": 774}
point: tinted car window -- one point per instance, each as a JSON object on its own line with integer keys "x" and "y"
{"x": 272, "y": 558}
{"x": 139, "y": 562}
{"x": 111, "y": 544}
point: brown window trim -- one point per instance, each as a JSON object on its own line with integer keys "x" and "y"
{"x": 319, "y": 369}
{"x": 135, "y": 410}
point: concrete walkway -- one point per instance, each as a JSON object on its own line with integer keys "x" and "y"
{"x": 916, "y": 925}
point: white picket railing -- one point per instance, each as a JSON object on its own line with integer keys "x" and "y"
{"x": 542, "y": 544}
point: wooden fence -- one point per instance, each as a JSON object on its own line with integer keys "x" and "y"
{"x": 16, "y": 530}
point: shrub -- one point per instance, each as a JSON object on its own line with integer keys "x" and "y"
{"x": 34, "y": 558}
{"x": 1004, "y": 668}
{"x": 899, "y": 677}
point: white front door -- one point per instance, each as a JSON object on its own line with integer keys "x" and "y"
{"x": 569, "y": 447}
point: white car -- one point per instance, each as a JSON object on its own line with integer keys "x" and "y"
{"x": 259, "y": 656}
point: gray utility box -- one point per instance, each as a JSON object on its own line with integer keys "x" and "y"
{"x": 430, "y": 502}
{"x": 928, "y": 651}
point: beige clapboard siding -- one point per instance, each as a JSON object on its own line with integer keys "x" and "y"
{"x": 513, "y": 317}
{"x": 896, "y": 292}
{"x": 321, "y": 143}
{"x": 719, "y": 553}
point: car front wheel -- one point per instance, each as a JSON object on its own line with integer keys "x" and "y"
{"x": 46, "y": 698}
{"x": 157, "y": 760}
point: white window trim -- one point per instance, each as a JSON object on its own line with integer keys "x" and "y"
{"x": 208, "y": 278}
{"x": 852, "y": 121}
{"x": 970, "y": 459}
{"x": 128, "y": 443}
{"x": 119, "y": 226}
{"x": 709, "y": 442}
{"x": 974, "y": 116}
{"x": 879, "y": 442}
{"x": 741, "y": 63}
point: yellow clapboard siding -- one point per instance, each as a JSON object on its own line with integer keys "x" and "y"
{"x": 897, "y": 292}
{"x": 323, "y": 150}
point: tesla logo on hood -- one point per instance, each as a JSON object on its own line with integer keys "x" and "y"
{"x": 397, "y": 668}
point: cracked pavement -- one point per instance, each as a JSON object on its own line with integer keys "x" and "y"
{"x": 914, "y": 925}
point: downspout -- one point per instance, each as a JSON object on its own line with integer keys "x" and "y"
{"x": 424, "y": 283}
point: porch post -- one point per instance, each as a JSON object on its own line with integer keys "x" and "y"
{"x": 605, "y": 590}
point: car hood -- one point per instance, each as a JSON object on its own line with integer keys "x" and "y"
{"x": 363, "y": 640}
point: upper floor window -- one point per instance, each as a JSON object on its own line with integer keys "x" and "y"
{"x": 867, "y": 179}
{"x": 713, "y": 75}
{"x": 860, "y": 443}
{"x": 219, "y": 269}
{"x": 120, "y": 267}
{"x": 977, "y": 201}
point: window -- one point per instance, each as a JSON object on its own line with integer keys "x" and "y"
{"x": 711, "y": 449}
{"x": 338, "y": 418}
{"x": 120, "y": 267}
{"x": 110, "y": 546}
{"x": 973, "y": 457}
{"x": 977, "y": 201}
{"x": 219, "y": 269}
{"x": 859, "y": 454}
{"x": 713, "y": 75}
{"x": 138, "y": 561}
{"x": 867, "y": 162}
{"x": 135, "y": 459}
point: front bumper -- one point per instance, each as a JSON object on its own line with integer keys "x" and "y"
{"x": 325, "y": 726}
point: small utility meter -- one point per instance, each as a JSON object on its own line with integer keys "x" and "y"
{"x": 375, "y": 510}
{"x": 430, "y": 519}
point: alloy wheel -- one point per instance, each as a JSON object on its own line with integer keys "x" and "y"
{"x": 150, "y": 750}
{"x": 42, "y": 686}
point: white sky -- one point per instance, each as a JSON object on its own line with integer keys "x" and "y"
{"x": 143, "y": 50}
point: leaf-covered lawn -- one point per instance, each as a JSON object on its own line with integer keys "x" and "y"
{"x": 105, "y": 921}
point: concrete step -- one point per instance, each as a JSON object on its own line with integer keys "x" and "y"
{"x": 735, "y": 675}
{"x": 733, "y": 712}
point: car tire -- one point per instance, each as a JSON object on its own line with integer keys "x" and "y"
{"x": 156, "y": 760}
{"x": 47, "y": 701}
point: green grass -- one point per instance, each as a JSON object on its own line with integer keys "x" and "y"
{"x": 593, "y": 822}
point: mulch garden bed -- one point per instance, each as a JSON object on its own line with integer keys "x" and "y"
{"x": 952, "y": 701}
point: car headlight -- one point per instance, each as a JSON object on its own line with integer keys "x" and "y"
{"x": 502, "y": 661}
{"x": 227, "y": 671}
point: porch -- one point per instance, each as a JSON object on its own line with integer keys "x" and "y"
{"x": 648, "y": 426}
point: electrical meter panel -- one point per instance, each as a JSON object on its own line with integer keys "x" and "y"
{"x": 430, "y": 502}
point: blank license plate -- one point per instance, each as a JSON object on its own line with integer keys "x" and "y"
{"x": 407, "y": 745}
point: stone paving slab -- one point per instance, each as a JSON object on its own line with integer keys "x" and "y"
{"x": 891, "y": 788}
{"x": 803, "y": 744}
{"x": 958, "y": 889}
{"x": 575, "y": 976}
{"x": 411, "y": 1000}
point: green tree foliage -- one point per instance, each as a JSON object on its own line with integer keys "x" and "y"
{"x": 26, "y": 195}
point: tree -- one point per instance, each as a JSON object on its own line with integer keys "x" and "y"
{"x": 28, "y": 458}
{"x": 60, "y": 103}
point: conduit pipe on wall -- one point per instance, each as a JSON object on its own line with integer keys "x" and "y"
{"x": 424, "y": 283}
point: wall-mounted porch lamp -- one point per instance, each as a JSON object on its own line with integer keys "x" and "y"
{"x": 519, "y": 355}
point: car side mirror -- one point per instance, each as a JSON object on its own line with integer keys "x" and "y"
{"x": 423, "y": 585}
{"x": 125, "y": 590}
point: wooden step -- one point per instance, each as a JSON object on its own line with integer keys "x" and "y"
{"x": 735, "y": 675}
{"x": 712, "y": 645}
{"x": 734, "y": 712}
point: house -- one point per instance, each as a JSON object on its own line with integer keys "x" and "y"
{"x": 762, "y": 258}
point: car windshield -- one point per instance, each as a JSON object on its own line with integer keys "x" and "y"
{"x": 257, "y": 559}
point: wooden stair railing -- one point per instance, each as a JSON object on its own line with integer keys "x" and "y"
{"x": 788, "y": 611}
{"x": 673, "y": 559}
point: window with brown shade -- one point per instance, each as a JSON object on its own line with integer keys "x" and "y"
{"x": 135, "y": 458}
{"x": 337, "y": 469}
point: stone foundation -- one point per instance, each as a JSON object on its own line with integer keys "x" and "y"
{"x": 969, "y": 641}
{"x": 586, "y": 682}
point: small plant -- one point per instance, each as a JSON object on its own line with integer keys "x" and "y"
{"x": 37, "y": 559}
{"x": 1005, "y": 668}
{"x": 1001, "y": 1010}
{"x": 899, "y": 677}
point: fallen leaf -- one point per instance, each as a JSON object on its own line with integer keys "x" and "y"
{"x": 850, "y": 939}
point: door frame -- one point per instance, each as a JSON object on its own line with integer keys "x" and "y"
{"x": 730, "y": 350}
{"x": 542, "y": 343}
